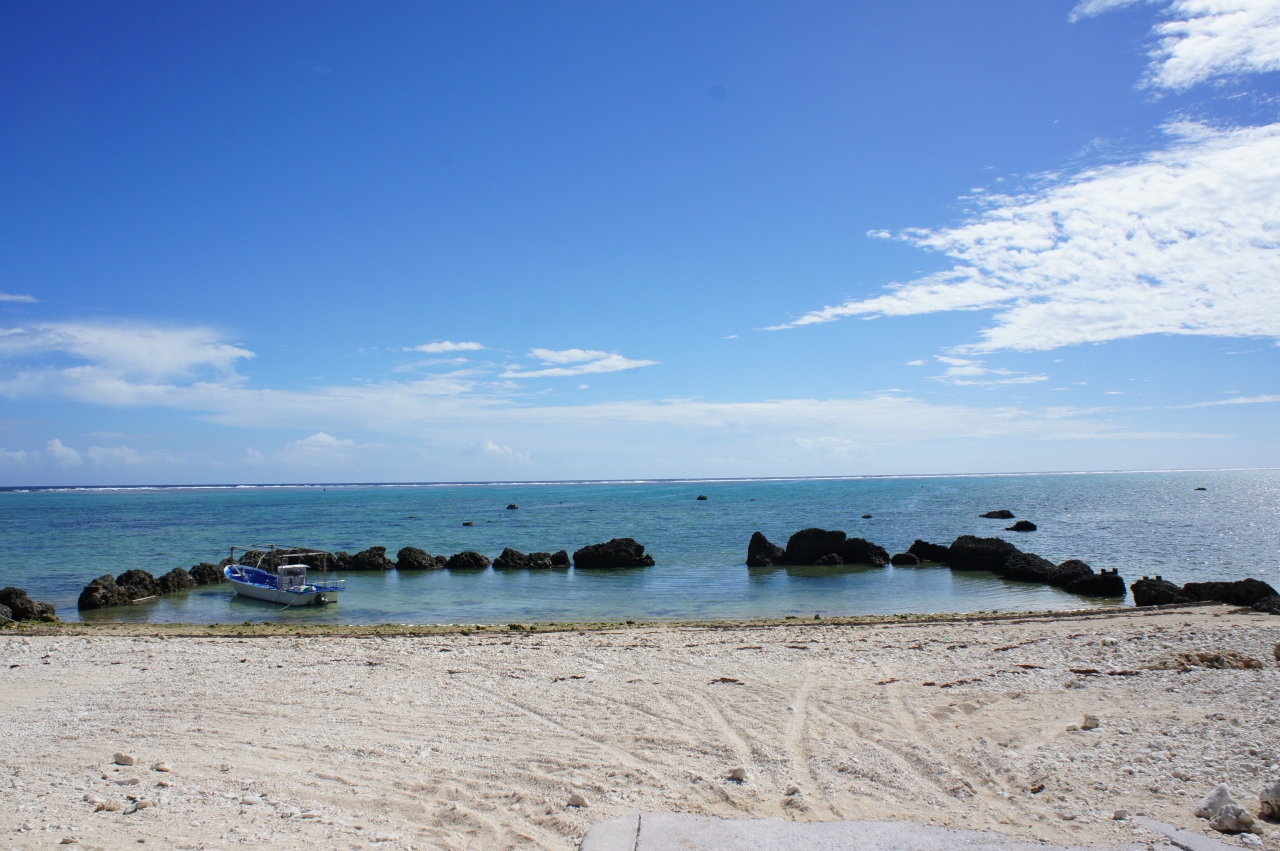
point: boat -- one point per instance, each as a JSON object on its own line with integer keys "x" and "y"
{"x": 281, "y": 582}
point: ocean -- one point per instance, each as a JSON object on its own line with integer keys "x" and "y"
{"x": 52, "y": 542}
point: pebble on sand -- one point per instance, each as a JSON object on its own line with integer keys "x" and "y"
{"x": 1213, "y": 802}
{"x": 161, "y": 766}
{"x": 125, "y": 759}
{"x": 1090, "y": 722}
{"x": 577, "y": 800}
{"x": 738, "y": 775}
{"x": 1269, "y": 800}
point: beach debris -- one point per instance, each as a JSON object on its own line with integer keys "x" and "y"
{"x": 1090, "y": 722}
{"x": 125, "y": 759}
{"x": 140, "y": 804}
{"x": 737, "y": 775}
{"x": 512, "y": 507}
{"x": 1269, "y": 800}
{"x": 727, "y": 681}
{"x": 1213, "y": 802}
{"x": 161, "y": 767}
{"x": 1184, "y": 661}
{"x": 904, "y": 560}
{"x": 616, "y": 553}
{"x": 999, "y": 514}
{"x": 1021, "y": 526}
{"x": 576, "y": 799}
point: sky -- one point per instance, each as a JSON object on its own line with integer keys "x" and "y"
{"x": 477, "y": 241}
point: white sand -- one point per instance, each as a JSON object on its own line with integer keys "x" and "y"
{"x": 477, "y": 741}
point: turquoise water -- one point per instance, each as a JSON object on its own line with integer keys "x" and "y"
{"x": 53, "y": 542}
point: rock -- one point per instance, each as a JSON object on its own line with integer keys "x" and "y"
{"x": 904, "y": 560}
{"x": 560, "y": 558}
{"x": 1242, "y": 592}
{"x": 176, "y": 580}
{"x": 702, "y": 498}
{"x": 128, "y": 781}
{"x": 468, "y": 560}
{"x": 1156, "y": 592}
{"x": 866, "y": 517}
{"x": 829, "y": 560}
{"x": 1108, "y": 583}
{"x": 737, "y": 775}
{"x": 1232, "y": 818}
{"x": 971, "y": 553}
{"x": 1120, "y": 815}
{"x": 161, "y": 767}
{"x": 762, "y": 553}
{"x": 374, "y": 558}
{"x": 1269, "y": 800}
{"x": 1001, "y": 514}
{"x": 69, "y": 840}
{"x": 539, "y": 561}
{"x": 511, "y": 560}
{"x": 102, "y": 593}
{"x": 413, "y": 558}
{"x": 20, "y": 606}
{"x": 107, "y": 806}
{"x": 809, "y": 545}
{"x": 207, "y": 574}
{"x": 1213, "y": 802}
{"x": 46, "y": 612}
{"x": 468, "y": 522}
{"x": 862, "y": 551}
{"x": 137, "y": 584}
{"x": 1021, "y": 526}
{"x": 1090, "y": 722}
{"x": 1027, "y": 567}
{"x": 577, "y": 800}
{"x": 137, "y": 805}
{"x": 927, "y": 552}
{"x": 125, "y": 759}
{"x": 1228, "y": 660}
{"x": 791, "y": 790}
{"x": 1071, "y": 570}
{"x": 251, "y": 558}
{"x": 617, "y": 553}
{"x": 512, "y": 507}
{"x": 6, "y": 614}
{"x": 1271, "y": 605}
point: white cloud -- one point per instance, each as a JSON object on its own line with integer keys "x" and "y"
{"x": 114, "y": 456}
{"x": 1202, "y": 40}
{"x": 1238, "y": 400}
{"x": 126, "y": 348}
{"x": 915, "y": 363}
{"x": 586, "y": 361}
{"x": 320, "y": 440}
{"x": 26, "y": 299}
{"x": 1184, "y": 241}
{"x": 446, "y": 346}
{"x": 972, "y": 373}
{"x": 253, "y": 456}
{"x": 489, "y": 449}
{"x": 63, "y": 456}
{"x": 17, "y": 457}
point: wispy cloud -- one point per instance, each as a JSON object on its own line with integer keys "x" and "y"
{"x": 25, "y": 299}
{"x": 1184, "y": 241}
{"x": 446, "y": 346}
{"x": 126, "y": 348}
{"x": 1235, "y": 400}
{"x": 972, "y": 373}
{"x": 585, "y": 361}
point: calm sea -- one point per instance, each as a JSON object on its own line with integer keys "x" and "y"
{"x": 53, "y": 542}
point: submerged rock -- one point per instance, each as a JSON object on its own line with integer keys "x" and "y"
{"x": 1242, "y": 592}
{"x": 511, "y": 560}
{"x": 1021, "y": 526}
{"x": 619, "y": 552}
{"x": 176, "y": 580}
{"x": 762, "y": 553}
{"x": 829, "y": 560}
{"x": 512, "y": 507}
{"x": 925, "y": 551}
{"x": 1001, "y": 514}
{"x": 1157, "y": 592}
{"x": 702, "y": 497}
{"x": 904, "y": 560}
{"x": 1108, "y": 583}
{"x": 207, "y": 574}
{"x": 413, "y": 558}
{"x": 468, "y": 560}
{"x": 862, "y": 551}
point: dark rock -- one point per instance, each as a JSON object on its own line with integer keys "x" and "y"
{"x": 468, "y": 523}
{"x": 6, "y": 614}
{"x": 1002, "y": 514}
{"x": 441, "y": 561}
{"x": 46, "y": 611}
{"x": 1242, "y": 592}
{"x": 102, "y": 593}
{"x": 511, "y": 560}
{"x": 374, "y": 558}
{"x": 971, "y": 553}
{"x": 1108, "y": 583}
{"x": 1070, "y": 571}
{"x": 702, "y": 498}
{"x": 468, "y": 560}
{"x": 207, "y": 574}
{"x": 1027, "y": 567}
{"x": 1271, "y": 605}
{"x": 762, "y": 553}
{"x": 560, "y": 558}
{"x": 1021, "y": 526}
{"x": 1157, "y": 592}
{"x": 866, "y": 517}
{"x": 539, "y": 561}
{"x": 138, "y": 584}
{"x": 904, "y": 560}
{"x": 862, "y": 551}
{"x": 620, "y": 552}
{"x": 20, "y": 606}
{"x": 512, "y": 507}
{"x": 1202, "y": 489}
{"x": 252, "y": 557}
{"x": 809, "y": 545}
{"x": 176, "y": 580}
{"x": 925, "y": 551}
{"x": 829, "y": 560}
{"x": 413, "y": 558}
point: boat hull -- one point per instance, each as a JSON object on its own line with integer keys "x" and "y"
{"x": 318, "y": 597}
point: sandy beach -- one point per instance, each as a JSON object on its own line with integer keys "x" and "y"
{"x": 478, "y": 740}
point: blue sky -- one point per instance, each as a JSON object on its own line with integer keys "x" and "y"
{"x": 477, "y": 241}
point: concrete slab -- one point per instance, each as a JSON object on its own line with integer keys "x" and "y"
{"x": 1184, "y": 839}
{"x": 686, "y": 832}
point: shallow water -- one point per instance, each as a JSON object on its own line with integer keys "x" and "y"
{"x": 53, "y": 542}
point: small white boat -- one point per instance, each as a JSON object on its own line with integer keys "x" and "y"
{"x": 287, "y": 584}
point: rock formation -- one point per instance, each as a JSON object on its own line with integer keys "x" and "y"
{"x": 468, "y": 560}
{"x": 809, "y": 545}
{"x": 862, "y": 551}
{"x": 972, "y": 553}
{"x": 927, "y": 552}
{"x": 412, "y": 558}
{"x": 1157, "y": 592}
{"x": 175, "y": 580}
{"x": 1271, "y": 605}
{"x": 22, "y": 608}
{"x": 1242, "y": 592}
{"x": 619, "y": 552}
{"x": 1108, "y": 583}
{"x": 762, "y": 553}
{"x": 904, "y": 560}
{"x": 138, "y": 584}
{"x": 511, "y": 560}
{"x": 1021, "y": 526}
{"x": 1002, "y": 514}
{"x": 207, "y": 574}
